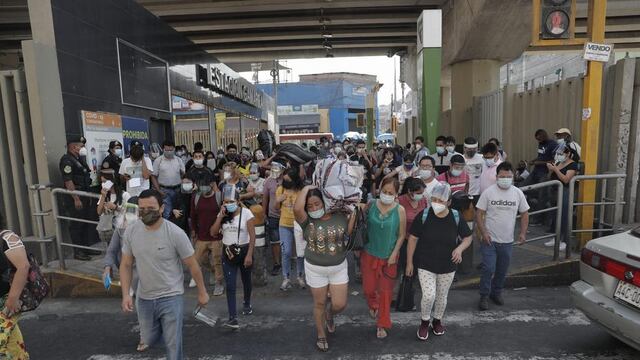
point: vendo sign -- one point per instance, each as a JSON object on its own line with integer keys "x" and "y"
{"x": 597, "y": 52}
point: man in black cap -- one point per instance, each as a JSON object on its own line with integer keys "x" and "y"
{"x": 114, "y": 159}
{"x": 76, "y": 176}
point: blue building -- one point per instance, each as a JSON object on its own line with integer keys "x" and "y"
{"x": 323, "y": 103}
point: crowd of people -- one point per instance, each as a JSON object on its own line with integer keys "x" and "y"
{"x": 234, "y": 211}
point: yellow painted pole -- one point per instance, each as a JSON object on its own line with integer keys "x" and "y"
{"x": 591, "y": 99}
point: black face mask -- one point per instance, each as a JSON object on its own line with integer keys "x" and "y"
{"x": 149, "y": 217}
{"x": 287, "y": 184}
{"x": 137, "y": 153}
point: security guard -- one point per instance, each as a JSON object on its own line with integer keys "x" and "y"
{"x": 76, "y": 175}
{"x": 114, "y": 159}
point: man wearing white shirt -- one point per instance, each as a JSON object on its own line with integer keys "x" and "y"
{"x": 496, "y": 217}
{"x": 136, "y": 170}
{"x": 167, "y": 176}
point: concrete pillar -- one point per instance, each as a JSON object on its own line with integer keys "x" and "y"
{"x": 445, "y": 98}
{"x": 429, "y": 67}
{"x": 468, "y": 79}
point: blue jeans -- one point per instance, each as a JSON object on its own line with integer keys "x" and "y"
{"x": 273, "y": 226}
{"x": 162, "y": 317}
{"x": 168, "y": 200}
{"x": 287, "y": 241}
{"x": 495, "y": 259}
{"x": 230, "y": 276}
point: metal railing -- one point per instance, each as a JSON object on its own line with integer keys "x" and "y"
{"x": 603, "y": 203}
{"x": 557, "y": 208}
{"x": 57, "y": 217}
{"x": 39, "y": 214}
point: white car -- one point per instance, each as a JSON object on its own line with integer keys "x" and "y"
{"x": 608, "y": 291}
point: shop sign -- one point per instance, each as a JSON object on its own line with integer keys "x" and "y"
{"x": 220, "y": 78}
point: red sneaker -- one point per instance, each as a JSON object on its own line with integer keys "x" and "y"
{"x": 438, "y": 328}
{"x": 423, "y": 330}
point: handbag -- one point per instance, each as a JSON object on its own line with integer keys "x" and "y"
{"x": 359, "y": 237}
{"x": 35, "y": 289}
{"x": 405, "y": 300}
{"x": 233, "y": 252}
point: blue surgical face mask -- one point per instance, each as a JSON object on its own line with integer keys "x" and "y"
{"x": 231, "y": 207}
{"x": 118, "y": 152}
{"x": 504, "y": 183}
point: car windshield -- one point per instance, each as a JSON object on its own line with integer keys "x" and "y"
{"x": 636, "y": 232}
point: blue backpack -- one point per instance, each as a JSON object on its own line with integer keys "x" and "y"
{"x": 455, "y": 212}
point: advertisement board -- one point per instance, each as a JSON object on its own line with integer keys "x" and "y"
{"x": 99, "y": 129}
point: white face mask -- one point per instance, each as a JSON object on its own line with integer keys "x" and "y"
{"x": 438, "y": 208}
{"x": 456, "y": 172}
{"x": 490, "y": 162}
{"x": 259, "y": 156}
{"x": 226, "y": 175}
{"x": 440, "y": 149}
{"x": 198, "y": 162}
{"x": 211, "y": 164}
{"x": 275, "y": 174}
{"x": 83, "y": 151}
{"x": 560, "y": 141}
{"x": 504, "y": 183}
{"x": 418, "y": 147}
{"x": 254, "y": 177}
{"x": 317, "y": 214}
{"x": 118, "y": 152}
{"x": 451, "y": 149}
{"x": 425, "y": 174}
{"x": 560, "y": 158}
{"x": 187, "y": 187}
{"x": 387, "y": 199}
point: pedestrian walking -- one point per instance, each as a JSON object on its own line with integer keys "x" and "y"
{"x": 159, "y": 249}
{"x": 286, "y": 196}
{"x": 136, "y": 170}
{"x": 496, "y": 216}
{"x": 386, "y": 222}
{"x": 456, "y": 176}
{"x": 434, "y": 250}
{"x": 491, "y": 161}
{"x": 168, "y": 170}
{"x": 236, "y": 224}
{"x": 273, "y": 214}
{"x": 326, "y": 269}
{"x": 204, "y": 210}
{"x": 110, "y": 204}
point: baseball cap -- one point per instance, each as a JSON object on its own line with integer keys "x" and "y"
{"x": 563, "y": 131}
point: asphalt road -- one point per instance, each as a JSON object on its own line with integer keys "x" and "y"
{"x": 537, "y": 323}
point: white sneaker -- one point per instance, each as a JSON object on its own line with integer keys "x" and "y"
{"x": 301, "y": 282}
{"x": 563, "y": 246}
{"x": 286, "y": 285}
{"x": 192, "y": 283}
{"x": 550, "y": 243}
{"x": 218, "y": 289}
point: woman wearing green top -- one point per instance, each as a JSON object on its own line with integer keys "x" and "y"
{"x": 325, "y": 261}
{"x": 386, "y": 227}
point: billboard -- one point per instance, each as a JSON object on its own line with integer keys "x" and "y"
{"x": 99, "y": 129}
{"x": 135, "y": 129}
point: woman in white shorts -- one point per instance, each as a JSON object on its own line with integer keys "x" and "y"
{"x": 325, "y": 263}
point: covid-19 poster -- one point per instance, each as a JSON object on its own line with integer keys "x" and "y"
{"x": 135, "y": 129}
{"x": 99, "y": 130}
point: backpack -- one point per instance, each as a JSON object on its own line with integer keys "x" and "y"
{"x": 340, "y": 183}
{"x": 36, "y": 288}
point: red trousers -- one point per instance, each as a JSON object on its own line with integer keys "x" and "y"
{"x": 377, "y": 283}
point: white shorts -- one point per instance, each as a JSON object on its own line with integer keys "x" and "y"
{"x": 321, "y": 276}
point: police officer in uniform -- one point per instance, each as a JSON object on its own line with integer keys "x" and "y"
{"x": 76, "y": 175}
{"x": 114, "y": 159}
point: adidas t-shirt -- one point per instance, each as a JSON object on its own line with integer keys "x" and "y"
{"x": 502, "y": 207}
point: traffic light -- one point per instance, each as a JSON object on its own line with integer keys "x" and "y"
{"x": 557, "y": 19}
